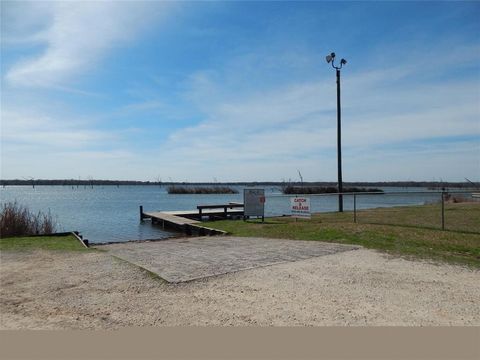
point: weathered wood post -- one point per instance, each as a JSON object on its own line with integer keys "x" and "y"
{"x": 443, "y": 210}
{"x": 141, "y": 213}
{"x": 354, "y": 208}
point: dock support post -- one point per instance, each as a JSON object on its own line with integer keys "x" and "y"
{"x": 141, "y": 213}
{"x": 354, "y": 208}
{"x": 443, "y": 210}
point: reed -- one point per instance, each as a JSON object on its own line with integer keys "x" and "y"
{"x": 291, "y": 189}
{"x": 17, "y": 220}
{"x": 200, "y": 190}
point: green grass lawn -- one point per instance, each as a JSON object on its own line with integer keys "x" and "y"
{"x": 458, "y": 217}
{"x": 66, "y": 243}
{"x": 406, "y": 231}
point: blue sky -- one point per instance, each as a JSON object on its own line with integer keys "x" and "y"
{"x": 239, "y": 91}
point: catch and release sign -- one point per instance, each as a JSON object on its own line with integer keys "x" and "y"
{"x": 254, "y": 202}
{"x": 300, "y": 207}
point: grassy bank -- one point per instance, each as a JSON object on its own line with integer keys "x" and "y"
{"x": 66, "y": 243}
{"x": 404, "y": 231}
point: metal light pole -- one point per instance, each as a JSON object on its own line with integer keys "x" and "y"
{"x": 331, "y": 59}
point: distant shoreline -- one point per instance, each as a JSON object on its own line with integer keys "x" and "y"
{"x": 72, "y": 182}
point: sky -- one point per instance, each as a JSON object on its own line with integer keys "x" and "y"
{"x": 239, "y": 91}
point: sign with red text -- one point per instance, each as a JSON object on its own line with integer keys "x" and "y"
{"x": 300, "y": 207}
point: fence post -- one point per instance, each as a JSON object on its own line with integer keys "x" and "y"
{"x": 443, "y": 210}
{"x": 354, "y": 208}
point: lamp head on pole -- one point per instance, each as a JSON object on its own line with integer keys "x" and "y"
{"x": 331, "y": 59}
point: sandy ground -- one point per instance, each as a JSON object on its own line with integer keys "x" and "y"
{"x": 54, "y": 290}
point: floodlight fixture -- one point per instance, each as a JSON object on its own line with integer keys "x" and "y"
{"x": 330, "y": 57}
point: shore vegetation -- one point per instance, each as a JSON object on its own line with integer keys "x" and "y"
{"x": 18, "y": 220}
{"x": 201, "y": 190}
{"x": 293, "y": 189}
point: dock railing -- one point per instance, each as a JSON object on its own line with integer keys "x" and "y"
{"x": 225, "y": 208}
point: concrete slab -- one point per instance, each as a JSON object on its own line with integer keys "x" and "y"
{"x": 184, "y": 259}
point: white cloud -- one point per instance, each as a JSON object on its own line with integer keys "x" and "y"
{"x": 43, "y": 145}
{"x": 76, "y": 36}
{"x": 44, "y": 131}
{"x": 289, "y": 127}
{"x": 255, "y": 126}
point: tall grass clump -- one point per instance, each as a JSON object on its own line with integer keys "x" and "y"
{"x": 201, "y": 190}
{"x": 292, "y": 189}
{"x": 17, "y": 220}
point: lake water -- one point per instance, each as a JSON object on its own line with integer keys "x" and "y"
{"x": 111, "y": 213}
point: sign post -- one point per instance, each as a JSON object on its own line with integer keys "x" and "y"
{"x": 300, "y": 207}
{"x": 254, "y": 203}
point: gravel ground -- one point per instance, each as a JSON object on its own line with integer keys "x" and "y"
{"x": 57, "y": 290}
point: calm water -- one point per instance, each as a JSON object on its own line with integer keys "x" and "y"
{"x": 110, "y": 213}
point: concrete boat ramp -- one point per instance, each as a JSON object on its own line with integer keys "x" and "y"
{"x": 184, "y": 259}
{"x": 190, "y": 258}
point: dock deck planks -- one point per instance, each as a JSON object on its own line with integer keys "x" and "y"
{"x": 172, "y": 217}
{"x": 188, "y": 226}
{"x": 189, "y": 221}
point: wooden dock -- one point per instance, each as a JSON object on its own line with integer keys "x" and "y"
{"x": 189, "y": 221}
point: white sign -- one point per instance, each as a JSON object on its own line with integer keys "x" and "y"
{"x": 254, "y": 202}
{"x": 300, "y": 207}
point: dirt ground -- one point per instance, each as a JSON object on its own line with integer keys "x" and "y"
{"x": 93, "y": 290}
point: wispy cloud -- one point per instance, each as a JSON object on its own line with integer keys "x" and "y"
{"x": 193, "y": 108}
{"x": 75, "y": 36}
{"x": 45, "y": 131}
{"x": 297, "y": 122}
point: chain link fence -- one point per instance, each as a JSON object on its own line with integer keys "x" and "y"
{"x": 441, "y": 210}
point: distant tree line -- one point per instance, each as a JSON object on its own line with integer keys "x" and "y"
{"x": 75, "y": 182}
{"x": 71, "y": 182}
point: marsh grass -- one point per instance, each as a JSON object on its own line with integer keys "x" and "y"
{"x": 17, "y": 220}
{"x": 201, "y": 190}
{"x": 293, "y": 189}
